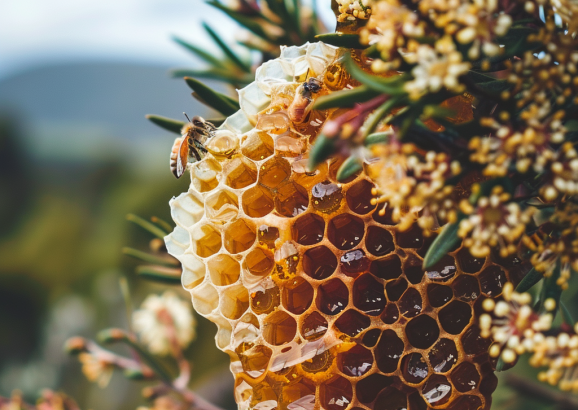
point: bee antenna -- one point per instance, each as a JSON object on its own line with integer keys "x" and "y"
{"x": 187, "y": 117}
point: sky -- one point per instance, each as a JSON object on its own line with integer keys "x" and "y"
{"x": 35, "y": 32}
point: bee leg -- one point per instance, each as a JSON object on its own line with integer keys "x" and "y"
{"x": 196, "y": 154}
{"x": 200, "y": 147}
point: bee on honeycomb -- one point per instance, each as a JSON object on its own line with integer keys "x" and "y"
{"x": 320, "y": 301}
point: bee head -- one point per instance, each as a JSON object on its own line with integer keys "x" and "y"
{"x": 198, "y": 121}
{"x": 312, "y": 85}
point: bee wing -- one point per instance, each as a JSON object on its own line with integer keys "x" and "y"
{"x": 182, "y": 157}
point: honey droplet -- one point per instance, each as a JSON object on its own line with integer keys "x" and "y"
{"x": 265, "y": 301}
{"x": 354, "y": 262}
{"x": 326, "y": 197}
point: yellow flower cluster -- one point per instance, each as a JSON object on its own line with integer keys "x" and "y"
{"x": 516, "y": 329}
{"x": 512, "y": 324}
{"x": 354, "y": 9}
{"x": 496, "y": 221}
{"x": 414, "y": 186}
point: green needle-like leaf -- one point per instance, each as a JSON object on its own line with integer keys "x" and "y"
{"x": 350, "y": 166}
{"x": 134, "y": 374}
{"x": 167, "y": 123}
{"x": 152, "y": 228}
{"x": 341, "y": 40}
{"x": 345, "y": 98}
{"x": 532, "y": 277}
{"x": 159, "y": 274}
{"x": 202, "y": 54}
{"x": 150, "y": 258}
{"x": 228, "y": 76}
{"x": 377, "y": 138}
{"x": 220, "y": 102}
{"x": 321, "y": 150}
{"x": 566, "y": 315}
{"x": 249, "y": 23}
{"x": 447, "y": 240}
{"x": 391, "y": 85}
{"x": 162, "y": 223}
{"x": 231, "y": 55}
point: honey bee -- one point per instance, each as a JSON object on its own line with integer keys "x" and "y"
{"x": 301, "y": 104}
{"x": 194, "y": 135}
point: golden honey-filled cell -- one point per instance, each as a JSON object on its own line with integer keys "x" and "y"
{"x": 320, "y": 300}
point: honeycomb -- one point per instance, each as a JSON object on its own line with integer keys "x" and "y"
{"x": 320, "y": 302}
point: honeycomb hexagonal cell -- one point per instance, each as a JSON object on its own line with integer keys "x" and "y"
{"x": 314, "y": 326}
{"x": 319, "y": 262}
{"x": 291, "y": 199}
{"x": 319, "y": 298}
{"x": 345, "y": 231}
{"x": 279, "y": 328}
{"x": 297, "y": 295}
{"x": 274, "y": 172}
{"x": 368, "y": 295}
{"x": 258, "y": 146}
{"x": 240, "y": 173}
{"x": 422, "y": 331}
{"x": 379, "y": 241}
{"x": 388, "y": 351}
{"x": 443, "y": 355}
{"x": 355, "y": 362}
{"x": 259, "y": 262}
{"x": 206, "y": 240}
{"x": 354, "y": 262}
{"x": 224, "y": 270}
{"x": 257, "y": 201}
{"x": 351, "y": 322}
{"x": 239, "y": 236}
{"x": 308, "y": 229}
{"x": 336, "y": 393}
{"x": 326, "y": 197}
{"x": 414, "y": 368}
{"x": 359, "y": 197}
{"x": 455, "y": 317}
{"x": 265, "y": 301}
{"x": 332, "y": 297}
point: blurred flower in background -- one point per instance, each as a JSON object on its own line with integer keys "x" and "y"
{"x": 162, "y": 318}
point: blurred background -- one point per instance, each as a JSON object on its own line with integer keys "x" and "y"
{"x": 77, "y": 155}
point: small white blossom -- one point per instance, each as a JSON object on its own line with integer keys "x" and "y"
{"x": 162, "y": 318}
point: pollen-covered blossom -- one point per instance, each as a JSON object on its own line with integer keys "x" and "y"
{"x": 413, "y": 187}
{"x": 391, "y": 29}
{"x": 436, "y": 68}
{"x": 561, "y": 246}
{"x": 352, "y": 9}
{"x": 512, "y": 324}
{"x": 96, "y": 368}
{"x": 164, "y": 320}
{"x": 495, "y": 221}
{"x": 473, "y": 23}
{"x": 560, "y": 354}
{"x": 568, "y": 12}
{"x": 562, "y": 175}
{"x": 508, "y": 148}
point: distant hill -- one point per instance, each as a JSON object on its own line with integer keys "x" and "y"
{"x": 95, "y": 108}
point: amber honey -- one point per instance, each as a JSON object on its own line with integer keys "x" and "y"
{"x": 320, "y": 301}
